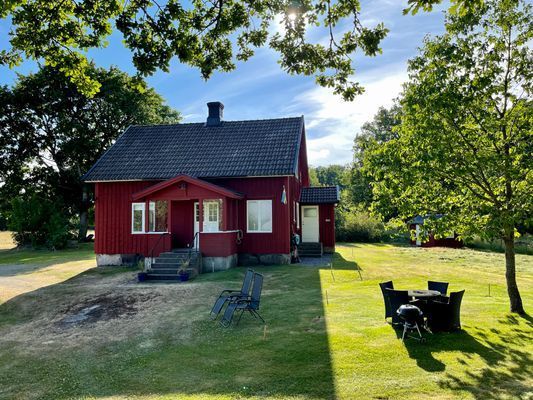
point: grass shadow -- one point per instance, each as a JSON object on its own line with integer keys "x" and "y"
{"x": 16, "y": 261}
{"x": 507, "y": 371}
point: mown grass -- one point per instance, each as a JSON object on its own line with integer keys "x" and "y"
{"x": 523, "y": 244}
{"x": 325, "y": 336}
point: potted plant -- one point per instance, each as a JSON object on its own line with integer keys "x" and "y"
{"x": 184, "y": 271}
{"x": 141, "y": 276}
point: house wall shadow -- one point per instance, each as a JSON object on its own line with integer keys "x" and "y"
{"x": 186, "y": 354}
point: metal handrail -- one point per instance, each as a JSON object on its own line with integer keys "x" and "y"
{"x": 156, "y": 243}
{"x": 191, "y": 245}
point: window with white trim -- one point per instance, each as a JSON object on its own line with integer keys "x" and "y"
{"x": 137, "y": 218}
{"x": 297, "y": 215}
{"x": 259, "y": 216}
{"x": 158, "y": 216}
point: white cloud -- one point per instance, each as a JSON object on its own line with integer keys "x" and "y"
{"x": 331, "y": 123}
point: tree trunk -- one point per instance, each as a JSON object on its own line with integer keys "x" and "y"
{"x": 510, "y": 274}
{"x": 84, "y": 214}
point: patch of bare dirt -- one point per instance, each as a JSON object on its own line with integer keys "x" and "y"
{"x": 102, "y": 308}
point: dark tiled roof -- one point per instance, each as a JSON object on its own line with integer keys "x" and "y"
{"x": 320, "y": 195}
{"x": 235, "y": 148}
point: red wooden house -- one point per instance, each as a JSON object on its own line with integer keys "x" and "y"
{"x": 236, "y": 191}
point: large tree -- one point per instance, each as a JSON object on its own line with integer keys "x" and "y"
{"x": 372, "y": 134}
{"x": 314, "y": 37}
{"x": 465, "y": 145}
{"x": 51, "y": 133}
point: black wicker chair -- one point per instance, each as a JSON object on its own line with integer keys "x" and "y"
{"x": 383, "y": 286}
{"x": 396, "y": 299}
{"x": 446, "y": 316}
{"x": 441, "y": 287}
{"x": 229, "y": 295}
{"x": 250, "y": 304}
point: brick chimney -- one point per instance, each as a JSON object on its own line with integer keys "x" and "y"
{"x": 216, "y": 110}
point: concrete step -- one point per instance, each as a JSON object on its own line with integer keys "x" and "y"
{"x": 317, "y": 255}
{"x": 178, "y": 255}
{"x": 184, "y": 257}
{"x": 169, "y": 273}
{"x": 310, "y": 244}
{"x": 164, "y": 271}
{"x": 310, "y": 249}
{"x": 162, "y": 277}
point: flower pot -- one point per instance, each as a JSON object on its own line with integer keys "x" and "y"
{"x": 141, "y": 276}
{"x": 184, "y": 276}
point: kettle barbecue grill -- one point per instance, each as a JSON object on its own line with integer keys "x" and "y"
{"x": 410, "y": 315}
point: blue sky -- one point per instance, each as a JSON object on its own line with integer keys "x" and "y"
{"x": 260, "y": 89}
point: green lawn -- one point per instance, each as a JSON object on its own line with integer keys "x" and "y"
{"x": 325, "y": 336}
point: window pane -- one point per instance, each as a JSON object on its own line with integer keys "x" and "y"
{"x": 265, "y": 212}
{"x": 138, "y": 217}
{"x": 158, "y": 216}
{"x": 253, "y": 216}
{"x": 310, "y": 212}
{"x": 161, "y": 216}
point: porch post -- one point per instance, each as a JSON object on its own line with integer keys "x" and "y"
{"x": 169, "y": 214}
{"x": 225, "y": 206}
{"x": 201, "y": 216}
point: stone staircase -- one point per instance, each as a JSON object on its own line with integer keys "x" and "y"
{"x": 308, "y": 249}
{"x": 166, "y": 266}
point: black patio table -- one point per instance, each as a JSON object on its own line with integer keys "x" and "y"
{"x": 423, "y": 294}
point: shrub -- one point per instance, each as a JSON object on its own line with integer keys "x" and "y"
{"x": 38, "y": 222}
{"x": 359, "y": 226}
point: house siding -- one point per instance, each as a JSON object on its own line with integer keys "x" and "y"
{"x": 327, "y": 226}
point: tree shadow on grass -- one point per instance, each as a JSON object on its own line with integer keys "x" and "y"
{"x": 183, "y": 352}
{"x": 461, "y": 341}
{"x": 16, "y": 261}
{"x": 507, "y": 370}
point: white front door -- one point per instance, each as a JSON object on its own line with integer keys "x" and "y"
{"x": 196, "y": 225}
{"x": 211, "y": 216}
{"x": 310, "y": 224}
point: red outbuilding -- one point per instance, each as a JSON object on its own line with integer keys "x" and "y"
{"x": 422, "y": 238}
{"x": 234, "y": 191}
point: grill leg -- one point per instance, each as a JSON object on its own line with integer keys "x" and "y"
{"x": 404, "y": 332}
{"x": 418, "y": 329}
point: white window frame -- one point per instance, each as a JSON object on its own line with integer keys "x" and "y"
{"x": 259, "y": 216}
{"x": 143, "y": 209}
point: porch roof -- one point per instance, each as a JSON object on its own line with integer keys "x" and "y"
{"x": 320, "y": 195}
{"x": 188, "y": 179}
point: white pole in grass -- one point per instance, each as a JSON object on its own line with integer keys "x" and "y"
{"x": 265, "y": 332}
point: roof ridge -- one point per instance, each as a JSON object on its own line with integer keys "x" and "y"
{"x": 203, "y": 123}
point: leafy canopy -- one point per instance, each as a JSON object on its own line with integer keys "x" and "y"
{"x": 312, "y": 37}
{"x": 465, "y": 144}
{"x": 51, "y": 133}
